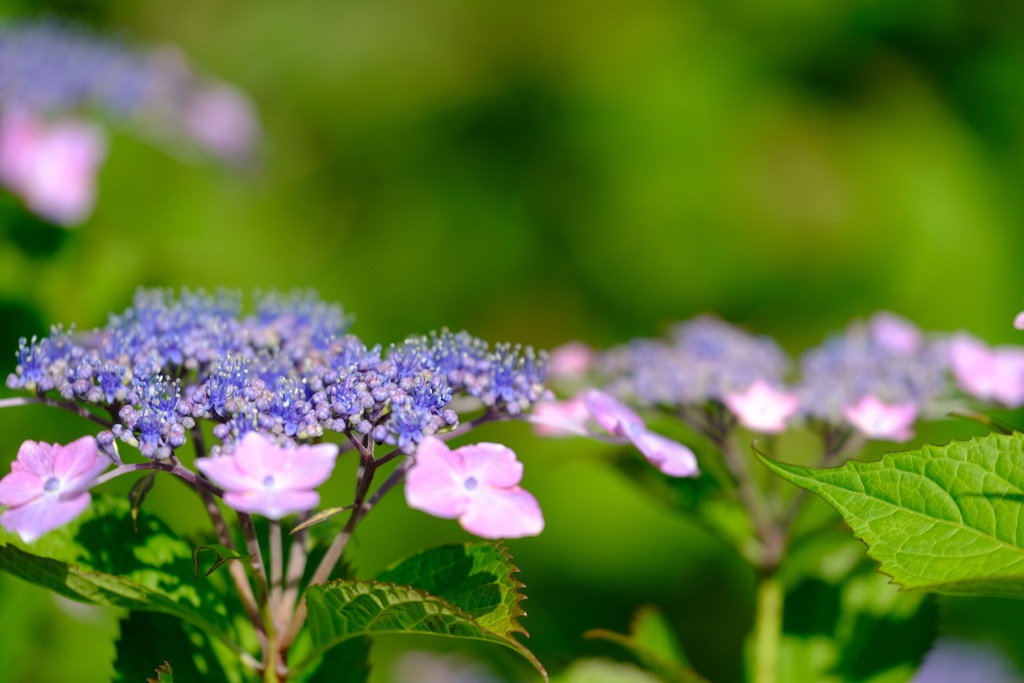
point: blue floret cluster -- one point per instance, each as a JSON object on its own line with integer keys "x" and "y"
{"x": 289, "y": 369}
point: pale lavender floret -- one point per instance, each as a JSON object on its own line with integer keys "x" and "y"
{"x": 47, "y": 486}
{"x": 953, "y": 660}
{"x": 478, "y": 484}
{"x": 267, "y": 479}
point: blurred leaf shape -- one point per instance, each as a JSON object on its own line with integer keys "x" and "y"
{"x": 654, "y": 644}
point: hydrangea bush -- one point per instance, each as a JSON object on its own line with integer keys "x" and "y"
{"x": 943, "y": 519}
{"x": 251, "y": 412}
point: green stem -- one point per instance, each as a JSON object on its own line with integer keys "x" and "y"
{"x": 767, "y": 630}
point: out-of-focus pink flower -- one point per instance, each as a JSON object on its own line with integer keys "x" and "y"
{"x": 762, "y": 408}
{"x": 1018, "y": 322}
{"x": 988, "y": 373}
{"x": 570, "y": 360}
{"x": 222, "y": 119}
{"x": 559, "y": 418}
{"x": 47, "y": 485}
{"x": 52, "y": 166}
{"x": 895, "y": 333}
{"x": 876, "y": 419}
{"x": 478, "y": 484}
{"x": 671, "y": 457}
{"x": 268, "y": 479}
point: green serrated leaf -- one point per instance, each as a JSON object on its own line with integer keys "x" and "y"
{"x": 137, "y": 494}
{"x": 463, "y": 591}
{"x": 653, "y": 643}
{"x": 99, "y": 559}
{"x": 222, "y": 554}
{"x": 945, "y": 519}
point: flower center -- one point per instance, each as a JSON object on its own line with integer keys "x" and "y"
{"x": 51, "y": 485}
{"x": 268, "y": 481}
{"x": 470, "y": 483}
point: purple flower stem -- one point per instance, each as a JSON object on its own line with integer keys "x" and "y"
{"x": 296, "y": 567}
{"x": 235, "y": 569}
{"x": 367, "y": 468}
{"x": 276, "y": 571}
{"x": 81, "y": 411}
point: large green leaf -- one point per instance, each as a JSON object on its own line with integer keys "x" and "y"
{"x": 100, "y": 559}
{"x": 946, "y": 519}
{"x": 463, "y": 591}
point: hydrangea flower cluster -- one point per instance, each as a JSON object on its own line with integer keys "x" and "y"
{"x": 52, "y": 74}
{"x": 877, "y": 377}
{"x": 288, "y": 372}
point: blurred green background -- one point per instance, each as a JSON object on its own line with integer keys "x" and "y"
{"x": 541, "y": 172}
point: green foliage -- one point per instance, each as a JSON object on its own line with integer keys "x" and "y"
{"x": 945, "y": 519}
{"x": 99, "y": 559}
{"x": 148, "y": 638}
{"x": 463, "y": 591}
{"x": 652, "y": 642}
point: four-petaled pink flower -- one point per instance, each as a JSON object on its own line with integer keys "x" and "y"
{"x": 988, "y": 373}
{"x": 876, "y": 419}
{"x": 671, "y": 457}
{"x": 47, "y": 485}
{"x": 478, "y": 484}
{"x": 268, "y": 479}
{"x": 52, "y": 166}
{"x": 762, "y": 408}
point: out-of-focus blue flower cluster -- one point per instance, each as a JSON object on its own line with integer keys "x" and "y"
{"x": 53, "y": 68}
{"x": 877, "y": 376}
{"x": 861, "y": 362}
{"x": 702, "y": 360}
{"x": 289, "y": 370}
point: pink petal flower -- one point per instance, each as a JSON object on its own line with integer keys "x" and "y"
{"x": 612, "y": 415}
{"x": 878, "y": 420}
{"x": 762, "y": 408}
{"x": 988, "y": 374}
{"x": 1018, "y": 322}
{"x": 478, "y": 484}
{"x": 895, "y": 333}
{"x": 569, "y": 360}
{"x": 671, "y": 457}
{"x": 560, "y": 418}
{"x": 47, "y": 485}
{"x": 268, "y": 479}
{"x": 221, "y": 119}
{"x": 52, "y": 166}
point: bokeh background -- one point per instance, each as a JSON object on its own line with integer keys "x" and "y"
{"x": 540, "y": 172}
